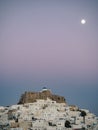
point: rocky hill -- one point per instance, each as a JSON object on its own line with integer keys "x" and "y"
{"x": 30, "y": 97}
{"x": 45, "y": 111}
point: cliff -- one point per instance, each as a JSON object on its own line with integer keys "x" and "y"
{"x": 30, "y": 97}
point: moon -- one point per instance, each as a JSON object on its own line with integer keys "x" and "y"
{"x": 83, "y": 21}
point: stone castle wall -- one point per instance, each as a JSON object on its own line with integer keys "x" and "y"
{"x": 30, "y": 97}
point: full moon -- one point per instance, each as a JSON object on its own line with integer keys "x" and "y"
{"x": 83, "y": 21}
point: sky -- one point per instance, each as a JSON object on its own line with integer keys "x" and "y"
{"x": 44, "y": 44}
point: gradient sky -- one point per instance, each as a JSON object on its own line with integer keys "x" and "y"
{"x": 43, "y": 43}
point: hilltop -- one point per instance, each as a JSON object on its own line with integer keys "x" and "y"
{"x": 45, "y": 111}
{"x": 30, "y": 97}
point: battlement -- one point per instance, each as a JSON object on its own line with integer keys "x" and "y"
{"x": 30, "y": 97}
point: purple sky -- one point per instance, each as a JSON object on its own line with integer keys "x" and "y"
{"x": 44, "y": 43}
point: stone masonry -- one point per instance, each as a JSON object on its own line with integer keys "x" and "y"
{"x": 30, "y": 97}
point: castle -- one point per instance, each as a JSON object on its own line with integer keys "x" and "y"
{"x": 30, "y": 97}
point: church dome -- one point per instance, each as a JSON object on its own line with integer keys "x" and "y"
{"x": 44, "y": 89}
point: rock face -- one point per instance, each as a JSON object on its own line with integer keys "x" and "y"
{"x": 30, "y": 97}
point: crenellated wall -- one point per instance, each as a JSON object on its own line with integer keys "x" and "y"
{"x": 30, "y": 97}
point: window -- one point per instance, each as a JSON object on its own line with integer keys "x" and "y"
{"x": 58, "y": 98}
